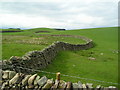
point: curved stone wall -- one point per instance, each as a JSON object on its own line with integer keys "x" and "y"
{"x": 40, "y": 59}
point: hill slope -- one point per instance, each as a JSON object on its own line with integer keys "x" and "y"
{"x": 73, "y": 63}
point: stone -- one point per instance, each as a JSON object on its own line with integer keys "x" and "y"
{"x": 4, "y": 85}
{"x": 36, "y": 87}
{"x": 48, "y": 84}
{"x": 36, "y": 79}
{"x": 42, "y": 81}
{"x": 92, "y": 58}
{"x": 62, "y": 84}
{"x": 80, "y": 84}
{"x": 14, "y": 79}
{"x": 98, "y": 86}
{"x": 20, "y": 78}
{"x": 12, "y": 74}
{"x": 5, "y": 75}
{"x": 69, "y": 85}
{"x": 75, "y": 86}
{"x": 101, "y": 53}
{"x": 89, "y": 85}
{"x": 112, "y": 87}
{"x": 84, "y": 86}
{"x": 31, "y": 80}
{"x": 55, "y": 86}
{"x": 25, "y": 80}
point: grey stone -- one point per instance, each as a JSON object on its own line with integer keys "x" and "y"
{"x": 36, "y": 87}
{"x": 5, "y": 74}
{"x": 11, "y": 74}
{"x": 4, "y": 85}
{"x": 55, "y": 86}
{"x": 69, "y": 85}
{"x": 84, "y": 86}
{"x": 42, "y": 81}
{"x": 89, "y": 85}
{"x": 91, "y": 58}
{"x": 31, "y": 79}
{"x": 75, "y": 85}
{"x": 36, "y": 79}
{"x": 25, "y": 80}
{"x": 98, "y": 86}
{"x": 48, "y": 84}
{"x": 62, "y": 84}
{"x": 80, "y": 84}
{"x": 112, "y": 87}
{"x": 14, "y": 79}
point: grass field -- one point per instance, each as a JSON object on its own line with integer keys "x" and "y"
{"x": 73, "y": 63}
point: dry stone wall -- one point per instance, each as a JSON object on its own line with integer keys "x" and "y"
{"x": 19, "y": 81}
{"x": 40, "y": 59}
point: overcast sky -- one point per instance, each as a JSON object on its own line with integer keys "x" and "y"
{"x": 69, "y": 14}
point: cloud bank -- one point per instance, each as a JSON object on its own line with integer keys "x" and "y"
{"x": 72, "y": 14}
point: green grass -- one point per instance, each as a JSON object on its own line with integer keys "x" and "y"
{"x": 15, "y": 48}
{"x": 73, "y": 63}
{"x": 9, "y": 30}
{"x": 19, "y": 44}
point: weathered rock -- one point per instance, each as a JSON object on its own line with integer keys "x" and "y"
{"x": 36, "y": 87}
{"x": 89, "y": 85}
{"x": 36, "y": 79}
{"x": 49, "y": 84}
{"x": 25, "y": 80}
{"x": 56, "y": 85}
{"x": 84, "y": 86}
{"x": 92, "y": 58}
{"x": 62, "y": 84}
{"x": 42, "y": 81}
{"x": 5, "y": 75}
{"x": 98, "y": 87}
{"x": 80, "y": 84}
{"x": 75, "y": 86}
{"x": 19, "y": 81}
{"x": 15, "y": 79}
{"x": 112, "y": 88}
{"x": 31, "y": 80}
{"x": 69, "y": 85}
{"x": 4, "y": 85}
{"x": 12, "y": 74}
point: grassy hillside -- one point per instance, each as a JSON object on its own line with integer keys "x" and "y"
{"x": 12, "y": 29}
{"x": 73, "y": 63}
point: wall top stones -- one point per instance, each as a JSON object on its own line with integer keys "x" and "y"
{"x": 12, "y": 80}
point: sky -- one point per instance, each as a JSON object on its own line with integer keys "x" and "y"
{"x": 68, "y": 14}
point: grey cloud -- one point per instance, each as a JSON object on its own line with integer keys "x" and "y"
{"x": 62, "y": 12}
{"x": 29, "y": 7}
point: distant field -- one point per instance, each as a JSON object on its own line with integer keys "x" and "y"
{"x": 9, "y": 29}
{"x": 74, "y": 63}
